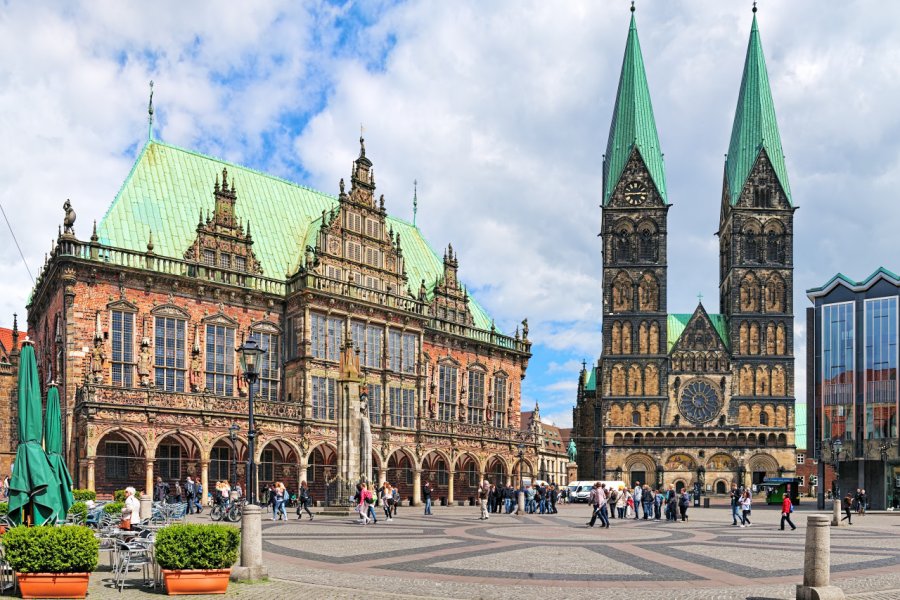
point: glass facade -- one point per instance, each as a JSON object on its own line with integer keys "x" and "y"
{"x": 838, "y": 344}
{"x": 880, "y": 373}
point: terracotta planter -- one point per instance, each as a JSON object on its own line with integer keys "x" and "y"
{"x": 200, "y": 581}
{"x": 53, "y": 585}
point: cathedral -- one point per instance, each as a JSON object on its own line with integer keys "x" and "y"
{"x": 693, "y": 399}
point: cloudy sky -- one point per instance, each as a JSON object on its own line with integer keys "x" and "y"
{"x": 499, "y": 109}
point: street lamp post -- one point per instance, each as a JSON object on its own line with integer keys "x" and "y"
{"x": 836, "y": 445}
{"x": 250, "y": 353}
{"x": 232, "y": 434}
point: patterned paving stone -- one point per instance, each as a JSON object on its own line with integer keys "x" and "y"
{"x": 538, "y": 561}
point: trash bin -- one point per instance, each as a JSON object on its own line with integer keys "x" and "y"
{"x": 696, "y": 500}
{"x": 706, "y": 502}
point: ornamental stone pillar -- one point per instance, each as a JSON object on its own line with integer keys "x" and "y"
{"x": 91, "y": 485}
{"x": 204, "y": 481}
{"x": 148, "y": 482}
{"x": 450, "y": 481}
{"x": 417, "y": 487}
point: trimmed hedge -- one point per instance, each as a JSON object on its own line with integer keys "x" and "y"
{"x": 113, "y": 508}
{"x": 85, "y": 495}
{"x": 119, "y": 495}
{"x": 51, "y": 549}
{"x": 4, "y": 508}
{"x": 183, "y": 547}
{"x": 80, "y": 509}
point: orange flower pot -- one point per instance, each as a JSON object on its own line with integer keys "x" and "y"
{"x": 200, "y": 581}
{"x": 53, "y": 585}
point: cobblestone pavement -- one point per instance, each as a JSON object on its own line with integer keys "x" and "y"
{"x": 453, "y": 554}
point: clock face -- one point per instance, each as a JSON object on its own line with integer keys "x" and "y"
{"x": 635, "y": 193}
{"x": 700, "y": 401}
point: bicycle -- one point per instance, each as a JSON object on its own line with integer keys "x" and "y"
{"x": 219, "y": 511}
{"x": 235, "y": 511}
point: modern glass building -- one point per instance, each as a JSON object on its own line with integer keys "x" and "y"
{"x": 852, "y": 385}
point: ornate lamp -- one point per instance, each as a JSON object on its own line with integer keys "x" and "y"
{"x": 250, "y": 354}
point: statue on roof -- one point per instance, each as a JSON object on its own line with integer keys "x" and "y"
{"x": 69, "y": 219}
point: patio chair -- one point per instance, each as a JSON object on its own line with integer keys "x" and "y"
{"x": 8, "y": 579}
{"x": 128, "y": 557}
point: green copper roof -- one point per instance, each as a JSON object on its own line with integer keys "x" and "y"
{"x": 676, "y": 323}
{"x": 591, "y": 384}
{"x": 169, "y": 186}
{"x": 755, "y": 127}
{"x": 633, "y": 125}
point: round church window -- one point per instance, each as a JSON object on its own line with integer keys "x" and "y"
{"x": 700, "y": 401}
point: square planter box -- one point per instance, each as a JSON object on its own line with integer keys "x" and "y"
{"x": 53, "y": 585}
{"x": 200, "y": 581}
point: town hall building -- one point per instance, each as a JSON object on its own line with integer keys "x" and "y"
{"x": 693, "y": 398}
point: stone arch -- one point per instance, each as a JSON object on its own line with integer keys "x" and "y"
{"x": 779, "y": 340}
{"x": 629, "y": 439}
{"x": 653, "y": 417}
{"x": 648, "y": 249}
{"x": 648, "y": 292}
{"x": 278, "y": 460}
{"x": 780, "y": 416}
{"x": 618, "y": 440}
{"x": 637, "y": 463}
{"x": 679, "y": 461}
{"x": 188, "y": 440}
{"x": 654, "y": 339}
{"x": 720, "y": 486}
{"x": 227, "y": 459}
{"x": 763, "y": 463}
{"x": 119, "y": 456}
{"x": 321, "y": 466}
{"x": 771, "y": 440}
{"x": 496, "y": 470}
{"x": 749, "y": 293}
{"x": 627, "y": 339}
{"x": 754, "y": 338}
{"x": 635, "y": 383}
{"x": 622, "y": 293}
{"x": 618, "y": 386}
{"x": 527, "y": 468}
{"x": 782, "y": 440}
{"x": 643, "y": 338}
{"x": 651, "y": 380}
{"x": 775, "y": 300}
{"x": 746, "y": 381}
{"x": 763, "y": 385}
{"x": 623, "y": 231}
{"x": 744, "y": 337}
{"x": 401, "y": 466}
{"x": 750, "y": 234}
{"x": 136, "y": 441}
{"x": 627, "y": 415}
{"x": 616, "y": 341}
{"x": 464, "y": 458}
{"x": 721, "y": 462}
{"x": 770, "y": 339}
{"x": 732, "y": 439}
{"x": 615, "y": 416}
{"x": 778, "y": 381}
{"x": 744, "y": 415}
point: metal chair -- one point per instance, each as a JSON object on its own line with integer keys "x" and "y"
{"x": 8, "y": 579}
{"x": 129, "y": 556}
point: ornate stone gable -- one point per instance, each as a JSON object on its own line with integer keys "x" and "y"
{"x": 450, "y": 302}
{"x": 635, "y": 187}
{"x": 221, "y": 242}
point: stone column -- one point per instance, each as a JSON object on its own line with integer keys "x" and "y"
{"x": 301, "y": 473}
{"x": 91, "y": 484}
{"x": 251, "y": 563}
{"x": 146, "y": 506}
{"x": 149, "y": 481}
{"x": 382, "y": 474}
{"x": 450, "y": 478}
{"x": 204, "y": 481}
{"x": 816, "y": 562}
{"x": 417, "y": 487}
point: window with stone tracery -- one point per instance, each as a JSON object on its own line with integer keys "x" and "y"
{"x": 169, "y": 361}
{"x": 447, "y": 396}
{"x": 475, "y": 412}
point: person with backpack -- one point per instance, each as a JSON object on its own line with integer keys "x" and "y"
{"x": 787, "y": 508}
{"x": 189, "y": 494}
{"x": 387, "y": 500}
{"x": 160, "y": 490}
{"x": 304, "y": 499}
{"x": 683, "y": 503}
{"x": 483, "y": 493}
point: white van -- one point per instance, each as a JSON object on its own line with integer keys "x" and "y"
{"x": 580, "y": 490}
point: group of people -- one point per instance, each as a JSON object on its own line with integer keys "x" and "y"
{"x": 387, "y": 496}
{"x": 278, "y": 498}
{"x": 539, "y": 499}
{"x": 629, "y": 503}
{"x": 191, "y": 492}
{"x": 857, "y": 503}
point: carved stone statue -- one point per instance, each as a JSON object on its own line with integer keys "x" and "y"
{"x": 195, "y": 375}
{"x": 145, "y": 363}
{"x": 69, "y": 219}
{"x": 365, "y": 441}
{"x": 98, "y": 361}
{"x": 572, "y": 451}
{"x": 462, "y": 410}
{"x": 432, "y": 404}
{"x": 524, "y": 329}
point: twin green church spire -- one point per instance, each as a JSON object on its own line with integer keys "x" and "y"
{"x": 633, "y": 126}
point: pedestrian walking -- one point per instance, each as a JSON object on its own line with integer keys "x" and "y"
{"x": 304, "y": 499}
{"x": 387, "y": 500}
{"x": 189, "y": 494}
{"x": 279, "y": 495}
{"x": 746, "y": 506}
{"x": 179, "y": 492}
{"x": 483, "y": 493}
{"x": 683, "y": 503}
{"x": 735, "y": 497}
{"x": 786, "y": 509}
{"x": 847, "y": 502}
{"x": 636, "y": 496}
{"x": 426, "y": 493}
{"x": 160, "y": 490}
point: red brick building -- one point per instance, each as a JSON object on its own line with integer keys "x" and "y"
{"x": 140, "y": 321}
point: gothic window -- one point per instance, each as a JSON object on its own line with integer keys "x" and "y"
{"x": 775, "y": 294}
{"x": 394, "y": 339}
{"x": 648, "y": 293}
{"x": 447, "y": 375}
{"x": 499, "y": 400}
{"x": 647, "y": 246}
{"x": 170, "y": 334}
{"x": 623, "y": 293}
{"x": 220, "y": 359}
{"x": 635, "y": 385}
{"x": 779, "y": 340}
{"x": 745, "y": 338}
{"x": 643, "y": 338}
{"x": 626, "y": 338}
{"x": 402, "y": 406}
{"x": 325, "y": 336}
{"x": 654, "y": 339}
{"x": 774, "y": 247}
{"x": 770, "y": 339}
{"x": 616, "y": 344}
{"x": 269, "y": 365}
{"x": 636, "y": 419}
{"x": 676, "y": 362}
{"x": 750, "y": 294}
{"x": 622, "y": 245}
{"x": 618, "y": 381}
{"x": 746, "y": 381}
{"x": 409, "y": 353}
{"x": 778, "y": 383}
{"x": 710, "y": 362}
{"x": 754, "y": 338}
{"x": 764, "y": 419}
{"x": 475, "y": 412}
{"x": 324, "y": 392}
{"x": 761, "y": 197}
{"x": 651, "y": 380}
{"x": 122, "y": 348}
{"x": 375, "y": 404}
{"x": 762, "y": 381}
{"x": 751, "y": 247}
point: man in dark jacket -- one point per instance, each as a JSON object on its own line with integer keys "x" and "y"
{"x": 160, "y": 490}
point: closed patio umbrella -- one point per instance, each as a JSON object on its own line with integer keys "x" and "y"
{"x": 53, "y": 448}
{"x": 33, "y": 489}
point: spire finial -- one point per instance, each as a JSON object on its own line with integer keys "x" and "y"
{"x": 700, "y": 297}
{"x": 415, "y": 199}
{"x": 754, "y": 6}
{"x": 150, "y": 113}
{"x": 632, "y": 5}
{"x": 362, "y": 140}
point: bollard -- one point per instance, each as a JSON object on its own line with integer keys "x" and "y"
{"x": 836, "y": 514}
{"x": 251, "y": 566}
{"x": 817, "y": 562}
{"x": 146, "y": 507}
{"x": 520, "y": 502}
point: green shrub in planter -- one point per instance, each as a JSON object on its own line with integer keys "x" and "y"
{"x": 85, "y": 495}
{"x": 113, "y": 508}
{"x": 80, "y": 510}
{"x": 4, "y": 508}
{"x": 51, "y": 549}
{"x": 119, "y": 495}
{"x": 183, "y": 547}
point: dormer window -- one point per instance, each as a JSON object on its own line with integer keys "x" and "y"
{"x": 209, "y": 258}
{"x": 240, "y": 263}
{"x": 225, "y": 261}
